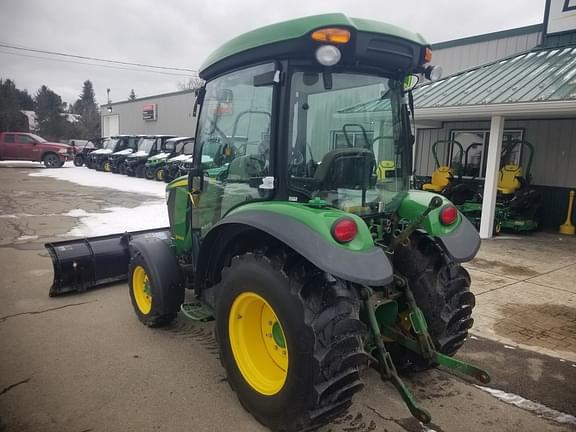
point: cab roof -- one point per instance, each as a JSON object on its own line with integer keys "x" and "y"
{"x": 298, "y": 28}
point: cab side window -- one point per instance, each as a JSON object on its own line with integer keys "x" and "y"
{"x": 24, "y": 139}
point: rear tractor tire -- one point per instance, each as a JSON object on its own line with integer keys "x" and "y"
{"x": 156, "y": 289}
{"x": 441, "y": 289}
{"x": 290, "y": 339}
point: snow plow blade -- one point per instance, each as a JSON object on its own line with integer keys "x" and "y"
{"x": 89, "y": 262}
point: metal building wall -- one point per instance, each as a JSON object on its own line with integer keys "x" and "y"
{"x": 174, "y": 115}
{"x": 553, "y": 139}
{"x": 462, "y": 54}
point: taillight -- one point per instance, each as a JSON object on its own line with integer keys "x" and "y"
{"x": 448, "y": 215}
{"x": 344, "y": 230}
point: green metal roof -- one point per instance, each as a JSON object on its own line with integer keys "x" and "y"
{"x": 300, "y": 27}
{"x": 542, "y": 75}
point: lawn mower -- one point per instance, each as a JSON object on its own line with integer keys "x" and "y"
{"x": 517, "y": 204}
{"x": 302, "y": 241}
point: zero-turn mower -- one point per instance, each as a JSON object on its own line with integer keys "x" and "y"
{"x": 298, "y": 235}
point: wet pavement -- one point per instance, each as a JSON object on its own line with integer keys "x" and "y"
{"x": 84, "y": 363}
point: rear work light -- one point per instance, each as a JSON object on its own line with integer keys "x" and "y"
{"x": 448, "y": 215}
{"x": 332, "y": 35}
{"x": 344, "y": 230}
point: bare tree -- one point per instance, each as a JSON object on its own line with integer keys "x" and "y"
{"x": 192, "y": 83}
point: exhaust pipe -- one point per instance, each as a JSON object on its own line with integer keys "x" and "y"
{"x": 89, "y": 262}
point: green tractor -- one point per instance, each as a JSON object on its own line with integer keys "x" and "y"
{"x": 296, "y": 232}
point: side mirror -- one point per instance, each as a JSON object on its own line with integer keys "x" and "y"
{"x": 195, "y": 179}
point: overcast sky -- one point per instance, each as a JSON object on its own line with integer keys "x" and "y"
{"x": 181, "y": 33}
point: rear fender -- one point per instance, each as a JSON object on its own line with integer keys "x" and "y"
{"x": 361, "y": 262}
{"x": 459, "y": 240}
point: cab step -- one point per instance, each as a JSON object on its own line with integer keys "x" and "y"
{"x": 197, "y": 311}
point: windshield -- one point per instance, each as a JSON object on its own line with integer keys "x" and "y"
{"x": 345, "y": 141}
{"x": 110, "y": 143}
{"x": 146, "y": 144}
{"x": 185, "y": 147}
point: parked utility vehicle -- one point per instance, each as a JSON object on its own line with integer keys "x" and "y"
{"x": 155, "y": 167}
{"x": 295, "y": 229}
{"x": 147, "y": 146}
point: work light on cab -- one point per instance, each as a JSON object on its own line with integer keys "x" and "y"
{"x": 328, "y": 55}
{"x": 332, "y": 35}
{"x": 344, "y": 230}
{"x": 448, "y": 215}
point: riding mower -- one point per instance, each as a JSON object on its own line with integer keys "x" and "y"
{"x": 517, "y": 204}
{"x": 135, "y": 163}
{"x": 312, "y": 264}
{"x": 156, "y": 166}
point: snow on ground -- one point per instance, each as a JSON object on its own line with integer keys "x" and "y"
{"x": 119, "y": 219}
{"x": 151, "y": 214}
{"x": 87, "y": 177}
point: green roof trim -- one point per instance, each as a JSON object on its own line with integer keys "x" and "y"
{"x": 540, "y": 75}
{"x": 297, "y": 28}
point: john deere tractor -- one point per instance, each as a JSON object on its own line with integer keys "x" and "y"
{"x": 295, "y": 229}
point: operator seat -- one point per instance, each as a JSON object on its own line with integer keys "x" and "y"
{"x": 509, "y": 179}
{"x": 348, "y": 168}
{"x": 440, "y": 179}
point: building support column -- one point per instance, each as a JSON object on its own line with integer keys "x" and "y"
{"x": 491, "y": 179}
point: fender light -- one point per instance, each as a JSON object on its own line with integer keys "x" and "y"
{"x": 448, "y": 215}
{"x": 344, "y": 230}
{"x": 331, "y": 35}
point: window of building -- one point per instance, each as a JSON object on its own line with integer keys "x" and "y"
{"x": 472, "y": 163}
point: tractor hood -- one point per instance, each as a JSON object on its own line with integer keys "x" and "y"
{"x": 182, "y": 157}
{"x": 140, "y": 153}
{"x": 124, "y": 152}
{"x": 102, "y": 151}
{"x": 159, "y": 156}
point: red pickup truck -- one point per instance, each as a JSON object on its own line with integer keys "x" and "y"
{"x": 30, "y": 147}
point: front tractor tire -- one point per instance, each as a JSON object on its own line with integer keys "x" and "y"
{"x": 290, "y": 340}
{"x": 441, "y": 288}
{"x": 156, "y": 289}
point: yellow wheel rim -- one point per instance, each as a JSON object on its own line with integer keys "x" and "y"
{"x": 160, "y": 174}
{"x": 258, "y": 343}
{"x": 107, "y": 166}
{"x": 141, "y": 290}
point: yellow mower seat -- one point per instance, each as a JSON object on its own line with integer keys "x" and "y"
{"x": 440, "y": 179}
{"x": 508, "y": 182}
{"x": 386, "y": 169}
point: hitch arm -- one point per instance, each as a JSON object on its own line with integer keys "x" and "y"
{"x": 401, "y": 239}
{"x": 386, "y": 366}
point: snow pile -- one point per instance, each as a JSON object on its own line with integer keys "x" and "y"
{"x": 117, "y": 220}
{"x": 86, "y": 177}
{"x": 528, "y": 405}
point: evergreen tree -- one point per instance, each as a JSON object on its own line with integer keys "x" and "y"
{"x": 132, "y": 95}
{"x": 52, "y": 125}
{"x": 89, "y": 124}
{"x": 11, "y": 119}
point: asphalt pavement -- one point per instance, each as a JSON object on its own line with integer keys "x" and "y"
{"x": 84, "y": 363}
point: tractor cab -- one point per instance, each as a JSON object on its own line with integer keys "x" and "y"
{"x": 318, "y": 113}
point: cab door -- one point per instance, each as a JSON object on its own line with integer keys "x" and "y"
{"x": 9, "y": 147}
{"x": 233, "y": 144}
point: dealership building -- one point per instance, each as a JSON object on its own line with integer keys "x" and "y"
{"x": 514, "y": 84}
